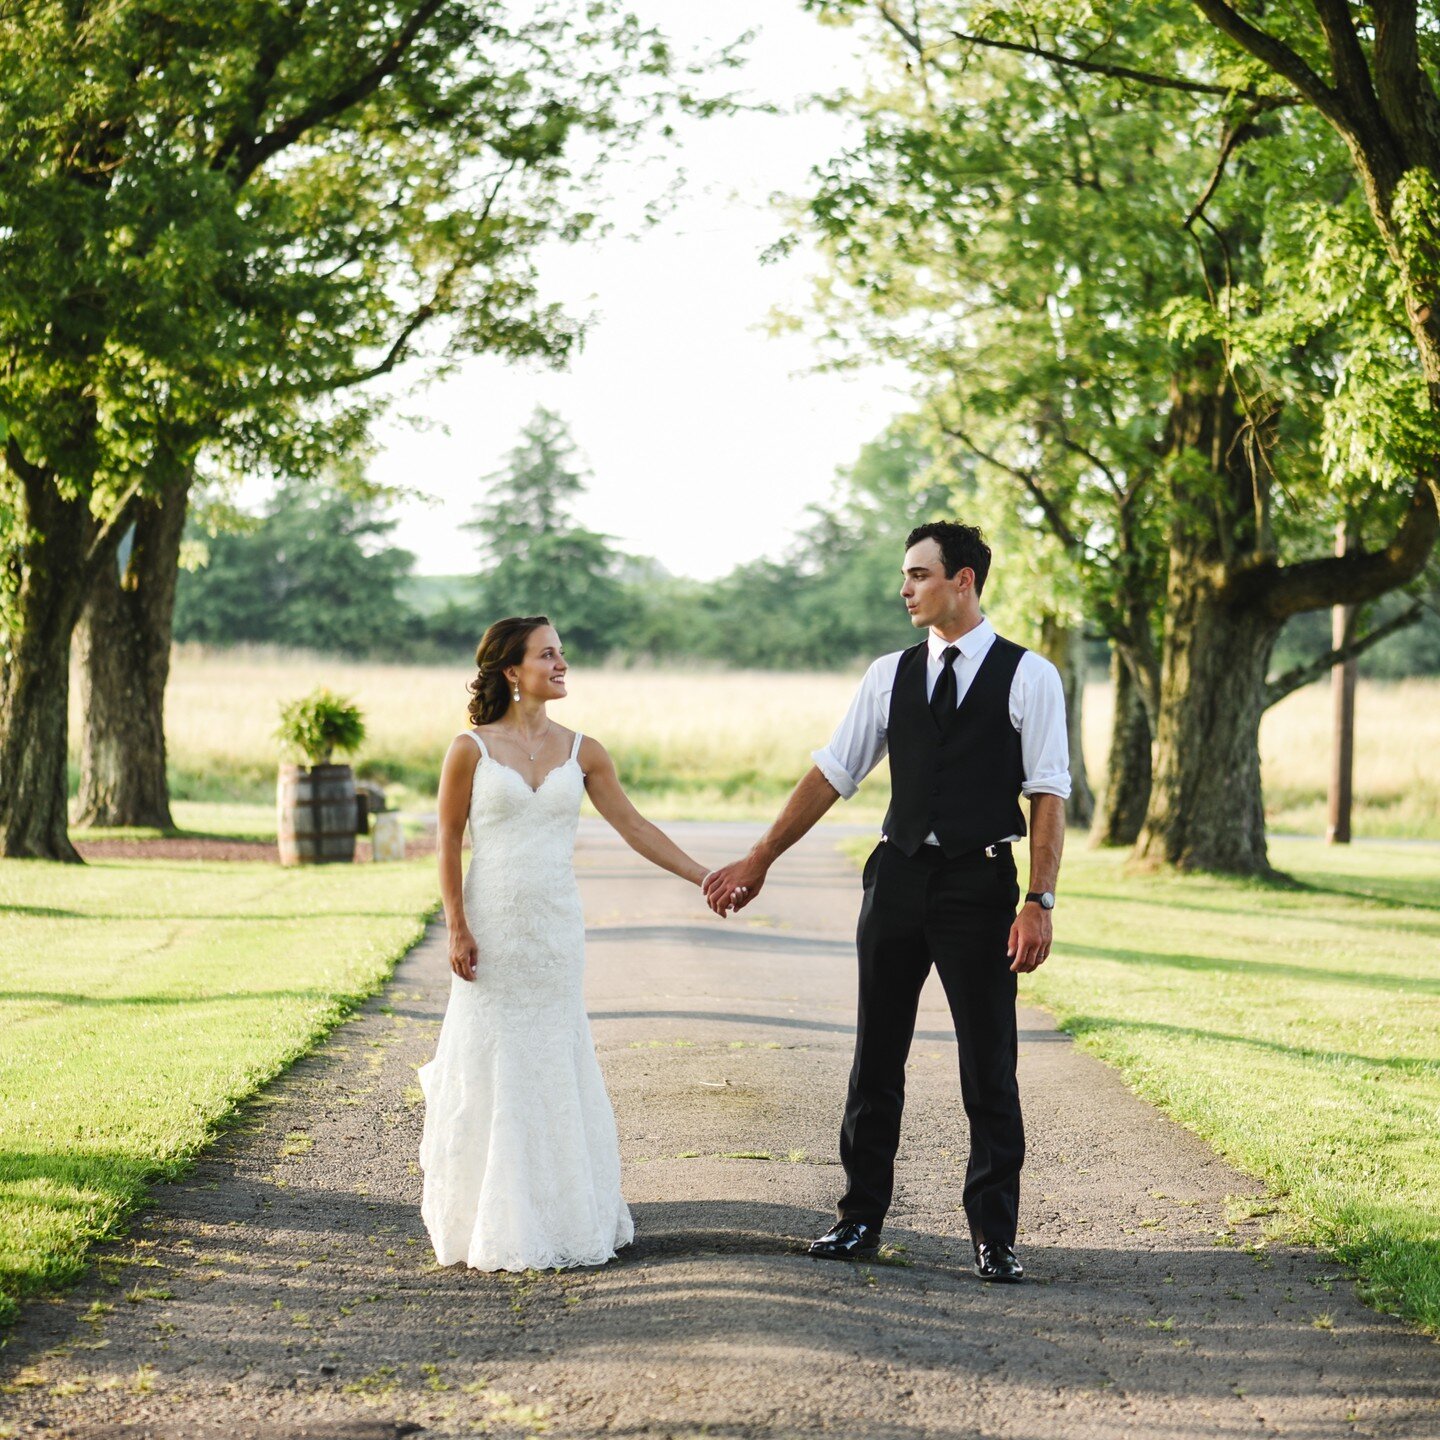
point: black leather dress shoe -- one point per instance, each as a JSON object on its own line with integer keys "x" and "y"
{"x": 848, "y": 1240}
{"x": 998, "y": 1262}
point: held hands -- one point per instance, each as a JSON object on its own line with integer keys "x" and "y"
{"x": 733, "y": 886}
{"x": 1030, "y": 938}
{"x": 464, "y": 954}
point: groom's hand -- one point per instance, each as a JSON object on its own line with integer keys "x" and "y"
{"x": 733, "y": 887}
{"x": 1030, "y": 938}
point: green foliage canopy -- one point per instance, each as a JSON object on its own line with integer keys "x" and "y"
{"x": 226, "y": 214}
{"x": 219, "y": 222}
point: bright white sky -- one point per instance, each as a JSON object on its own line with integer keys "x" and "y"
{"x": 705, "y": 438}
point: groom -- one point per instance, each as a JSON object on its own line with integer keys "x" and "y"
{"x": 972, "y": 722}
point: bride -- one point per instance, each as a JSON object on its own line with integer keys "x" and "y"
{"x": 521, "y": 1161}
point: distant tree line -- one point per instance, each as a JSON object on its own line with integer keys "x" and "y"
{"x": 316, "y": 571}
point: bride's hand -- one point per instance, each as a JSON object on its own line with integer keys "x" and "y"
{"x": 734, "y": 886}
{"x": 464, "y": 954}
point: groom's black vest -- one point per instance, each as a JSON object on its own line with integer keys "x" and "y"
{"x": 961, "y": 781}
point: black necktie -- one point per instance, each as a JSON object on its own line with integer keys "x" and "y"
{"x": 942, "y": 702}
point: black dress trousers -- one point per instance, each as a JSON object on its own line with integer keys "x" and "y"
{"x": 955, "y": 914}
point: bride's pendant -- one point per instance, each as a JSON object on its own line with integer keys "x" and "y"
{"x": 540, "y": 744}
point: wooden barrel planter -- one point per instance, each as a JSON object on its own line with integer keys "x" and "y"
{"x": 316, "y": 814}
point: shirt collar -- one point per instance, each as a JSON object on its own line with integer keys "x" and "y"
{"x": 971, "y": 643}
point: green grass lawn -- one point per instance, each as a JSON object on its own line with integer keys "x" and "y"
{"x": 1296, "y": 1030}
{"x": 140, "y": 1001}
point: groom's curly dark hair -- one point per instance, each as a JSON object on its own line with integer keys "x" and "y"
{"x": 961, "y": 547}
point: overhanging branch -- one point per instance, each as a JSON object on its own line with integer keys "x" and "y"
{"x": 1125, "y": 72}
{"x": 1076, "y": 448}
{"x": 1350, "y": 579}
{"x": 1321, "y": 666}
{"x": 1231, "y": 137}
{"x": 909, "y": 36}
{"x": 1273, "y": 51}
{"x": 1057, "y": 522}
{"x": 260, "y": 149}
{"x": 398, "y": 351}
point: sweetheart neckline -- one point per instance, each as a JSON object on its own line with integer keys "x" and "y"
{"x": 549, "y": 774}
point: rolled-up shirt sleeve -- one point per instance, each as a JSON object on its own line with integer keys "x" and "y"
{"x": 1044, "y": 744}
{"x": 858, "y": 744}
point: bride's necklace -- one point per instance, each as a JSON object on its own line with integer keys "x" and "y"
{"x": 538, "y": 744}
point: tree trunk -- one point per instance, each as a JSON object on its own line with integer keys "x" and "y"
{"x": 1126, "y": 797}
{"x": 1064, "y": 646}
{"x": 34, "y": 706}
{"x": 62, "y": 540}
{"x": 1206, "y": 811}
{"x": 123, "y": 644}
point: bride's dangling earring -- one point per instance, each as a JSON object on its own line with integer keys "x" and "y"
{"x": 515, "y": 693}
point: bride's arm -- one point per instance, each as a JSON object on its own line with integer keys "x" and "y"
{"x": 456, "y": 776}
{"x": 609, "y": 798}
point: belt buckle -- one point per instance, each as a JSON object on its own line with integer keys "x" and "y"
{"x": 990, "y": 852}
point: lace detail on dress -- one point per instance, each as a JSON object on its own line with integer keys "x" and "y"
{"x": 521, "y": 1160}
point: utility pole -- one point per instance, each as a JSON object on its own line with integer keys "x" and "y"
{"x": 1342, "y": 691}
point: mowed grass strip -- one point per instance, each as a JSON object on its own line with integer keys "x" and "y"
{"x": 1298, "y": 1031}
{"x": 140, "y": 1001}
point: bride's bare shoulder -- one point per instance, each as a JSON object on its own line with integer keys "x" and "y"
{"x": 463, "y": 746}
{"x": 591, "y": 753}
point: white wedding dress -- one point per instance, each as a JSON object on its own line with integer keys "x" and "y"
{"x": 521, "y": 1160}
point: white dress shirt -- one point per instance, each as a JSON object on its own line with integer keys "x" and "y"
{"x": 1037, "y": 711}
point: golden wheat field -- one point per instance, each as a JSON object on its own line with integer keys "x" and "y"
{"x": 698, "y": 742}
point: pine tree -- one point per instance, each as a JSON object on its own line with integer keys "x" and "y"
{"x": 537, "y": 559}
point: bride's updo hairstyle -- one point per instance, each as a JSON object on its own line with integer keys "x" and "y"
{"x": 501, "y": 646}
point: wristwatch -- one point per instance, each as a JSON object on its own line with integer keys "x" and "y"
{"x": 1045, "y": 899}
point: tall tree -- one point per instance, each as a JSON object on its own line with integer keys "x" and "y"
{"x": 537, "y": 559}
{"x": 1371, "y": 74}
{"x": 1041, "y": 212}
{"x": 210, "y": 221}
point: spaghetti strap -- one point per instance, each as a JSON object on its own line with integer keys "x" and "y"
{"x": 478, "y": 741}
{"x": 575, "y": 748}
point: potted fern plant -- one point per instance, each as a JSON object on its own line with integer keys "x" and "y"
{"x": 317, "y": 813}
